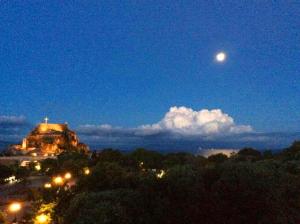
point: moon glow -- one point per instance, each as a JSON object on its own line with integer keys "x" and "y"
{"x": 221, "y": 57}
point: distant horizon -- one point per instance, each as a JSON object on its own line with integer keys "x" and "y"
{"x": 152, "y": 138}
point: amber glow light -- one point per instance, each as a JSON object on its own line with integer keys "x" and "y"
{"x": 87, "y": 171}
{"x": 38, "y": 167}
{"x": 68, "y": 176}
{"x": 14, "y": 207}
{"x": 47, "y": 185}
{"x": 42, "y": 218}
{"x": 58, "y": 180}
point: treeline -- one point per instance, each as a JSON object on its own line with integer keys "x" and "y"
{"x": 147, "y": 187}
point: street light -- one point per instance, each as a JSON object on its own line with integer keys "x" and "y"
{"x": 86, "y": 171}
{"x": 47, "y": 185}
{"x": 68, "y": 176}
{"x": 38, "y": 167}
{"x": 42, "y": 218}
{"x": 14, "y": 208}
{"x": 58, "y": 180}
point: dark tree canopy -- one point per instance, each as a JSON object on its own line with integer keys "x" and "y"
{"x": 145, "y": 187}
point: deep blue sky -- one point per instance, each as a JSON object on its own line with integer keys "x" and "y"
{"x": 127, "y": 62}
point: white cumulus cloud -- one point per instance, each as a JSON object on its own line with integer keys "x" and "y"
{"x": 186, "y": 121}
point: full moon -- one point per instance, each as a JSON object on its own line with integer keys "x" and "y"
{"x": 220, "y": 57}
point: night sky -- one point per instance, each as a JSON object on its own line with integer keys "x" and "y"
{"x": 143, "y": 73}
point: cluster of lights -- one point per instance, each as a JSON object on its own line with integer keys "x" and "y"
{"x": 57, "y": 180}
{"x": 60, "y": 180}
{"x": 11, "y": 180}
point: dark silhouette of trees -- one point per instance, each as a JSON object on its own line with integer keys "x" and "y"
{"x": 217, "y": 158}
{"x": 145, "y": 187}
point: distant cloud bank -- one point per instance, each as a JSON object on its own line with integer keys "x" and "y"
{"x": 11, "y": 127}
{"x": 12, "y": 121}
{"x": 181, "y": 128}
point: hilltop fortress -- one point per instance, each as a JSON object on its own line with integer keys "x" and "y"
{"x": 49, "y": 139}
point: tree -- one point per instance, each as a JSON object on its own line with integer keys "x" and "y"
{"x": 106, "y": 176}
{"x": 217, "y": 158}
{"x": 268, "y": 154}
{"x": 49, "y": 166}
{"x": 3, "y": 218}
{"x": 45, "y": 212}
{"x": 110, "y": 207}
{"x": 176, "y": 159}
{"x": 249, "y": 152}
{"x": 255, "y": 193}
{"x": 5, "y": 172}
{"x": 291, "y": 152}
{"x": 147, "y": 159}
{"x": 72, "y": 162}
{"x": 110, "y": 155}
{"x": 183, "y": 188}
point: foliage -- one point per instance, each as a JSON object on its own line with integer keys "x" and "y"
{"x": 112, "y": 176}
{"x": 5, "y": 172}
{"x": 148, "y": 159}
{"x": 3, "y": 218}
{"x": 248, "y": 187}
{"x": 181, "y": 158}
{"x": 46, "y": 211}
{"x": 115, "y": 206}
{"x": 217, "y": 158}
{"x": 72, "y": 162}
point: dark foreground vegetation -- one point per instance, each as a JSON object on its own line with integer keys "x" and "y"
{"x": 146, "y": 187}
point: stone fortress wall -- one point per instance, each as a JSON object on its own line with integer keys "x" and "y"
{"x": 45, "y": 127}
{"x": 49, "y": 139}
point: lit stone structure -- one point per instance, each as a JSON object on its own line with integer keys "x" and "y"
{"x": 49, "y": 139}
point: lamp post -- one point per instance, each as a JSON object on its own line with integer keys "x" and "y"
{"x": 14, "y": 208}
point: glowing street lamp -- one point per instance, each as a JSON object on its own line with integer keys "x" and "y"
{"x": 14, "y": 208}
{"x": 86, "y": 171}
{"x": 38, "y": 167}
{"x": 47, "y": 185}
{"x": 68, "y": 176}
{"x": 58, "y": 180}
{"x": 42, "y": 218}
